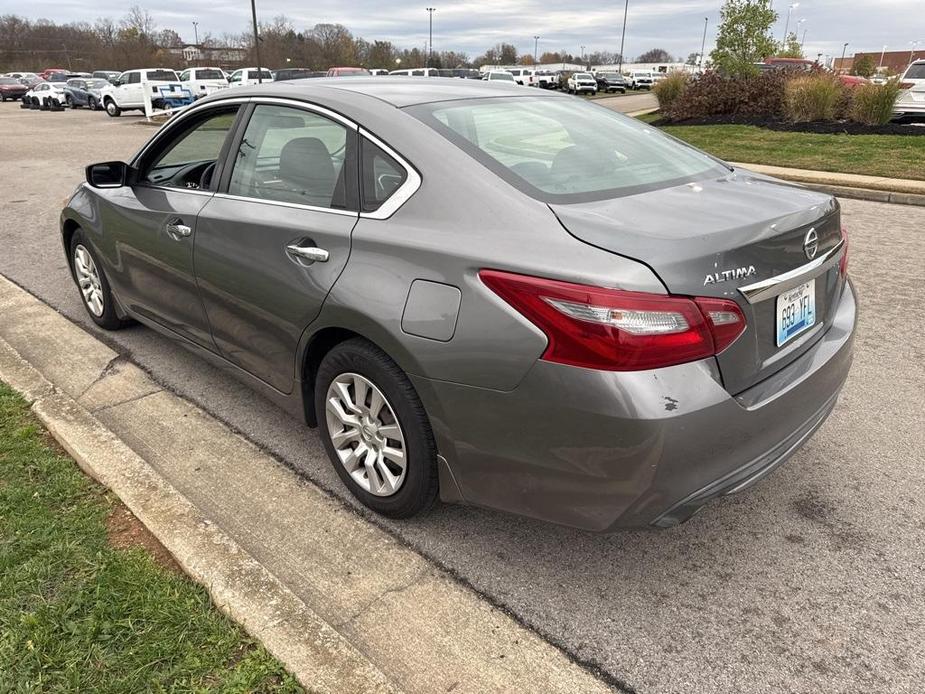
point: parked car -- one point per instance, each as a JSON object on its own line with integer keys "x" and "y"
{"x": 12, "y": 89}
{"x": 911, "y": 100}
{"x": 23, "y": 76}
{"x": 108, "y": 75}
{"x": 347, "y": 72}
{"x": 498, "y": 76}
{"x": 852, "y": 81}
{"x": 522, "y": 75}
{"x": 128, "y": 92}
{"x": 565, "y": 349}
{"x": 415, "y": 72}
{"x": 202, "y": 81}
{"x": 249, "y": 75}
{"x": 582, "y": 83}
{"x": 85, "y": 92}
{"x": 378, "y": 72}
{"x": 544, "y": 79}
{"x": 45, "y": 96}
{"x": 49, "y": 71}
{"x": 640, "y": 79}
{"x": 297, "y": 73}
{"x": 609, "y": 82}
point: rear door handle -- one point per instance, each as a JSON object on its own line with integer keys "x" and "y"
{"x": 177, "y": 229}
{"x": 307, "y": 254}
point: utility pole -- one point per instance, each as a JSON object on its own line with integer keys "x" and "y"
{"x": 256, "y": 43}
{"x": 430, "y": 49}
{"x": 196, "y": 33}
{"x": 626, "y": 7}
{"x": 536, "y": 42}
{"x": 703, "y": 44}
{"x": 787, "y": 25}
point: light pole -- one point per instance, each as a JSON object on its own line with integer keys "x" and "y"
{"x": 803, "y": 40}
{"x": 196, "y": 32}
{"x": 256, "y": 42}
{"x": 912, "y": 52}
{"x": 536, "y": 42}
{"x": 844, "y": 50}
{"x": 626, "y": 8}
{"x": 787, "y": 25}
{"x": 799, "y": 22}
{"x": 882, "y": 52}
{"x": 430, "y": 34}
{"x": 703, "y": 44}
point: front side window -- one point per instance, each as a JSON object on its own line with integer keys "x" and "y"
{"x": 291, "y": 155}
{"x": 133, "y": 78}
{"x": 380, "y": 176}
{"x": 186, "y": 159}
{"x": 235, "y": 77}
{"x": 915, "y": 72}
{"x": 184, "y": 76}
{"x": 566, "y": 150}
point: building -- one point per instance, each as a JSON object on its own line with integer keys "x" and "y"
{"x": 221, "y": 56}
{"x": 889, "y": 62}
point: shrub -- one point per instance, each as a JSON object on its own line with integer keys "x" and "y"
{"x": 814, "y": 97}
{"x": 713, "y": 94}
{"x": 872, "y": 104}
{"x": 668, "y": 89}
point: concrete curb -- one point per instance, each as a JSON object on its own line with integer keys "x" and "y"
{"x": 872, "y": 188}
{"x": 339, "y": 601}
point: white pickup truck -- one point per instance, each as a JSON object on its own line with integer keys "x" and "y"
{"x": 582, "y": 82}
{"x": 128, "y": 92}
{"x": 202, "y": 81}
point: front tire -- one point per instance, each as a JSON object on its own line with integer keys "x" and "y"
{"x": 375, "y": 430}
{"x": 112, "y": 110}
{"x": 92, "y": 105}
{"x": 95, "y": 291}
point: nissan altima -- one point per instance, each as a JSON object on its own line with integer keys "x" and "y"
{"x": 516, "y": 300}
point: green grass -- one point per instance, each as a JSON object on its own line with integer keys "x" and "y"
{"x": 77, "y": 615}
{"x": 894, "y": 156}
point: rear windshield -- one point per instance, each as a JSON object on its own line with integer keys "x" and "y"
{"x": 264, "y": 75}
{"x": 8, "y": 80}
{"x": 162, "y": 76}
{"x": 209, "y": 75}
{"x": 566, "y": 150}
{"x": 915, "y": 72}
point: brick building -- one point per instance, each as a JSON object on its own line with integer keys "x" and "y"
{"x": 894, "y": 62}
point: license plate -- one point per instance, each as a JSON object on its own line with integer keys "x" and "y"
{"x": 796, "y": 311}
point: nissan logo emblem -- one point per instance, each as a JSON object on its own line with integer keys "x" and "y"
{"x": 811, "y": 244}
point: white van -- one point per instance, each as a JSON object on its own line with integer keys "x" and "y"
{"x": 249, "y": 75}
{"x": 202, "y": 81}
{"x": 417, "y": 72}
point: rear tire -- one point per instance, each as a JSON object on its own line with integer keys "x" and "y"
{"x": 96, "y": 294}
{"x": 401, "y": 417}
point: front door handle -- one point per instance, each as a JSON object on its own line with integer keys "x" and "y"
{"x": 177, "y": 229}
{"x": 307, "y": 254}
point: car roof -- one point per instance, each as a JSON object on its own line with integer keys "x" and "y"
{"x": 397, "y": 91}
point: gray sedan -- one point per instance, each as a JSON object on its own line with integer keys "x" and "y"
{"x": 501, "y": 297}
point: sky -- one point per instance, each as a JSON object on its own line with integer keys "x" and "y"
{"x": 472, "y": 26}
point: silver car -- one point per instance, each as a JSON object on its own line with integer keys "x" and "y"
{"x": 496, "y": 296}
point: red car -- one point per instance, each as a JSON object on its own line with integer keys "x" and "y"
{"x": 347, "y": 72}
{"x": 47, "y": 72}
{"x": 853, "y": 80}
{"x": 11, "y": 88}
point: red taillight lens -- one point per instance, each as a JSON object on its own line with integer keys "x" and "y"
{"x": 843, "y": 263}
{"x": 616, "y": 330}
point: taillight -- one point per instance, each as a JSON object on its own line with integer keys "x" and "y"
{"x": 843, "y": 262}
{"x": 616, "y": 330}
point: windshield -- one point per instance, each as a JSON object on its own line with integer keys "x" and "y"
{"x": 97, "y": 84}
{"x": 57, "y": 77}
{"x": 8, "y": 80}
{"x": 566, "y": 150}
{"x": 915, "y": 72}
{"x": 162, "y": 76}
{"x": 501, "y": 76}
{"x": 583, "y": 76}
{"x": 610, "y": 76}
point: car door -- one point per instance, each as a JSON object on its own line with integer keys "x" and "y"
{"x": 151, "y": 224}
{"x": 130, "y": 90}
{"x": 273, "y": 240}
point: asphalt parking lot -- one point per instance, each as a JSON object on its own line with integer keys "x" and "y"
{"x": 812, "y": 581}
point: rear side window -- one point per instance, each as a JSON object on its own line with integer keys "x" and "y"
{"x": 380, "y": 177}
{"x": 291, "y": 155}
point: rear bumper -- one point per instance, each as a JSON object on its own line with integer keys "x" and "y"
{"x": 601, "y": 450}
{"x": 907, "y": 105}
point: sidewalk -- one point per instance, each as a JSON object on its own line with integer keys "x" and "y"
{"x": 342, "y": 603}
{"x": 878, "y": 189}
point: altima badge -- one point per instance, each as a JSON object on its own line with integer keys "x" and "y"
{"x": 739, "y": 273}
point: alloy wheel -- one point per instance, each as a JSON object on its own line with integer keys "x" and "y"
{"x": 88, "y": 279}
{"x": 367, "y": 437}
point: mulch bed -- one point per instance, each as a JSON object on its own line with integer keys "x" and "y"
{"x": 838, "y": 128}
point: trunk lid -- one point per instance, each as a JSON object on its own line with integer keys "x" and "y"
{"x": 711, "y": 237}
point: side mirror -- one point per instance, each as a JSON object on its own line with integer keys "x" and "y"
{"x": 109, "y": 174}
{"x": 116, "y": 82}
